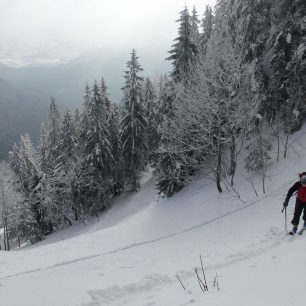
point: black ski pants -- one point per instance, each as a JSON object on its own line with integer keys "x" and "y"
{"x": 299, "y": 207}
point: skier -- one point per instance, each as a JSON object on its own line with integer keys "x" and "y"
{"x": 300, "y": 204}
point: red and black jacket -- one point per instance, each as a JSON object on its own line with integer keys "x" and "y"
{"x": 301, "y": 192}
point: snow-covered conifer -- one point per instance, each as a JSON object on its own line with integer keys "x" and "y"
{"x": 207, "y": 26}
{"x": 258, "y": 147}
{"x": 184, "y": 51}
{"x": 10, "y": 202}
{"x": 151, "y": 109}
{"x": 25, "y": 164}
{"x": 133, "y": 124}
{"x": 54, "y": 130}
{"x": 97, "y": 147}
{"x": 195, "y": 21}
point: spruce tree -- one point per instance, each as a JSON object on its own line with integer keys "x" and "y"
{"x": 77, "y": 124}
{"x": 26, "y": 167}
{"x": 84, "y": 123}
{"x": 151, "y": 109}
{"x": 43, "y": 149}
{"x": 207, "y": 27}
{"x": 105, "y": 96}
{"x": 133, "y": 124}
{"x": 54, "y": 131}
{"x": 184, "y": 51}
{"x": 64, "y": 173}
{"x": 117, "y": 172}
{"x": 195, "y": 21}
{"x": 97, "y": 147}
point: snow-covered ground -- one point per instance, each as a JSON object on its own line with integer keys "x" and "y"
{"x": 134, "y": 253}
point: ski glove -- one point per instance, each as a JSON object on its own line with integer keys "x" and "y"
{"x": 286, "y": 203}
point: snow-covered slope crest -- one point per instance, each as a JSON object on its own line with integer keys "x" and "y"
{"x": 135, "y": 253}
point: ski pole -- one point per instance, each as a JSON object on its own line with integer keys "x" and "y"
{"x": 285, "y": 209}
{"x": 285, "y": 219}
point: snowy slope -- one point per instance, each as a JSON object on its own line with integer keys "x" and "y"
{"x": 133, "y": 254}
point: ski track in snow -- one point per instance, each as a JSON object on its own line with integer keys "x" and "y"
{"x": 146, "y": 242}
{"x": 114, "y": 293}
{"x": 155, "y": 281}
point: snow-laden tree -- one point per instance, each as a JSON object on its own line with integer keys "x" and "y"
{"x": 212, "y": 108}
{"x": 133, "y": 124}
{"x": 117, "y": 172}
{"x": 149, "y": 95}
{"x": 184, "y": 52}
{"x": 105, "y": 96}
{"x": 82, "y": 183}
{"x": 151, "y": 110}
{"x": 288, "y": 66}
{"x": 43, "y": 149}
{"x": 54, "y": 131}
{"x": 258, "y": 147}
{"x": 171, "y": 169}
{"x": 171, "y": 175}
{"x": 25, "y": 164}
{"x": 195, "y": 21}
{"x": 84, "y": 123}
{"x": 77, "y": 124}
{"x": 207, "y": 27}
{"x": 232, "y": 84}
{"x": 165, "y": 99}
{"x": 97, "y": 147}
{"x": 62, "y": 179}
{"x": 68, "y": 142}
{"x": 10, "y": 201}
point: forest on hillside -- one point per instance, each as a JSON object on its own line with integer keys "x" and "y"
{"x": 238, "y": 83}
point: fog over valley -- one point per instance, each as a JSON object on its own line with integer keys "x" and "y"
{"x": 56, "y": 47}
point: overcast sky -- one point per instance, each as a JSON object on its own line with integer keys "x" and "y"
{"x": 62, "y": 29}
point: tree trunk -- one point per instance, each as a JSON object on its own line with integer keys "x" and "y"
{"x": 5, "y": 234}
{"x": 278, "y": 140}
{"x": 218, "y": 167}
{"x": 263, "y": 176}
{"x": 286, "y": 146}
{"x": 263, "y": 181}
{"x": 6, "y": 238}
{"x": 233, "y": 162}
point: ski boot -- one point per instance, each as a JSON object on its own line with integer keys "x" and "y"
{"x": 294, "y": 230}
{"x": 302, "y": 229}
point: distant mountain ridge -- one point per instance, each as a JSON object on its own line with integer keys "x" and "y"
{"x": 66, "y": 82}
